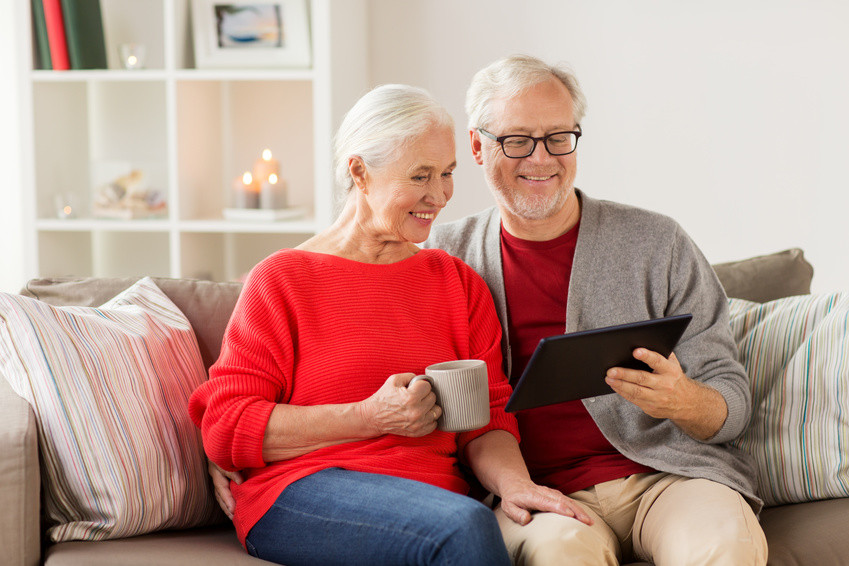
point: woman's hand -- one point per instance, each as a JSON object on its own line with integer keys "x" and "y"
{"x": 520, "y": 498}
{"x": 398, "y": 409}
{"x": 497, "y": 462}
{"x": 221, "y": 481}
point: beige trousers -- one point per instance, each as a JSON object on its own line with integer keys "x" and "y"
{"x": 656, "y": 517}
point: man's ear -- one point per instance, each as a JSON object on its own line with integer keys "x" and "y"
{"x": 475, "y": 138}
{"x": 359, "y": 173}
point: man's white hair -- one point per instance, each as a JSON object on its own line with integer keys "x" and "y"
{"x": 510, "y": 76}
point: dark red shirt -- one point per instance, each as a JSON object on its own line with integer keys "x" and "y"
{"x": 561, "y": 443}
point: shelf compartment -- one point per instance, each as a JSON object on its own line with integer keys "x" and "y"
{"x": 86, "y": 134}
{"x": 131, "y": 21}
{"x": 219, "y": 256}
{"x": 222, "y": 129}
{"x": 103, "y": 253}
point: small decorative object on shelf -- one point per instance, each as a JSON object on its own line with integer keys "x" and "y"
{"x": 251, "y": 34}
{"x": 272, "y": 189}
{"x": 65, "y": 205}
{"x": 272, "y": 196}
{"x": 132, "y": 55}
{"x": 261, "y": 195}
{"x": 129, "y": 198}
{"x": 266, "y": 165}
{"x": 245, "y": 191}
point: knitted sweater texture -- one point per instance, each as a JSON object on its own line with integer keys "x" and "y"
{"x": 632, "y": 264}
{"x": 313, "y": 329}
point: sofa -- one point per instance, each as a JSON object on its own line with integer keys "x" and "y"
{"x": 810, "y": 532}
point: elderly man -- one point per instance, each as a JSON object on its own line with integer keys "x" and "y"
{"x": 650, "y": 464}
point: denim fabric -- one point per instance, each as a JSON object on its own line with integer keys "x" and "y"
{"x": 342, "y": 517}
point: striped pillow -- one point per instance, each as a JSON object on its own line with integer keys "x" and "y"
{"x": 109, "y": 387}
{"x": 796, "y": 351}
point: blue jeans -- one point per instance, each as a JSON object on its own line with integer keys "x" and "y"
{"x": 338, "y": 516}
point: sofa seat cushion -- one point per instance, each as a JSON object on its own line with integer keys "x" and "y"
{"x": 807, "y": 534}
{"x": 109, "y": 387}
{"x": 214, "y": 546}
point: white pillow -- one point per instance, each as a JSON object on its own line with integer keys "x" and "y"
{"x": 110, "y": 387}
{"x": 796, "y": 351}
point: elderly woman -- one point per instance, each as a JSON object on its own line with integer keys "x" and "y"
{"x": 311, "y": 397}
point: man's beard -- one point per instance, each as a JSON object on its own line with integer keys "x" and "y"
{"x": 530, "y": 206}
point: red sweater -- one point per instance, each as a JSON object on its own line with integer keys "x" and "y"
{"x": 312, "y": 329}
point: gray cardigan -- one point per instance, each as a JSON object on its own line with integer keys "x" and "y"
{"x": 632, "y": 264}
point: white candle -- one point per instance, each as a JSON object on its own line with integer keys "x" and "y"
{"x": 266, "y": 166}
{"x": 273, "y": 193}
{"x": 245, "y": 191}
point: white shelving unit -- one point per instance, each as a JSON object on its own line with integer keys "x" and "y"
{"x": 191, "y": 132}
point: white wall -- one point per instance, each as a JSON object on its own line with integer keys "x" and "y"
{"x": 730, "y": 116}
{"x": 11, "y": 235}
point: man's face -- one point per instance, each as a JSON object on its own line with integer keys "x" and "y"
{"x": 536, "y": 187}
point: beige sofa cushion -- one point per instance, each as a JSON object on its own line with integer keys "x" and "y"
{"x": 767, "y": 277}
{"x": 214, "y": 546}
{"x": 808, "y": 534}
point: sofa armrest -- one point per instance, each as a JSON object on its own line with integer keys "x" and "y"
{"x": 20, "y": 481}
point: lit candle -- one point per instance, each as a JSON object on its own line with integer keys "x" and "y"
{"x": 246, "y": 191}
{"x": 273, "y": 193}
{"x": 132, "y": 56}
{"x": 65, "y": 206}
{"x": 266, "y": 166}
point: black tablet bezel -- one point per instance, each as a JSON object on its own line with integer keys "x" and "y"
{"x": 591, "y": 353}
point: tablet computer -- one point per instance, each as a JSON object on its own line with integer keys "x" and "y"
{"x": 572, "y": 366}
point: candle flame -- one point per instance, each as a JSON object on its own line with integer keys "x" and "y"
{"x": 266, "y": 154}
{"x": 272, "y": 179}
{"x": 247, "y": 178}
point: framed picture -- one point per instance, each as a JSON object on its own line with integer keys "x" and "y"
{"x": 251, "y": 34}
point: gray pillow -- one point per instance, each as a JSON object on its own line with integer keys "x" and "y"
{"x": 767, "y": 277}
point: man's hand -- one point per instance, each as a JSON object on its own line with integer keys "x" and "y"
{"x": 221, "y": 480}
{"x": 667, "y": 393}
{"x": 522, "y": 498}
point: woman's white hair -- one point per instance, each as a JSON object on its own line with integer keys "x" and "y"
{"x": 381, "y": 123}
{"x": 510, "y": 76}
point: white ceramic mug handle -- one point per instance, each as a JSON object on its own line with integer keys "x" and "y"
{"x": 427, "y": 378}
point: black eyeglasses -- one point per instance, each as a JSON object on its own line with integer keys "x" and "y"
{"x": 515, "y": 146}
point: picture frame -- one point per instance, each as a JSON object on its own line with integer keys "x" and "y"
{"x": 245, "y": 34}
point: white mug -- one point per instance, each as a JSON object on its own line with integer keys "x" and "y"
{"x": 462, "y": 391}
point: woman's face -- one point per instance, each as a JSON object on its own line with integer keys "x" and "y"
{"x": 406, "y": 195}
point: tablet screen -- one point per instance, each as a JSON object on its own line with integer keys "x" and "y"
{"x": 572, "y": 366}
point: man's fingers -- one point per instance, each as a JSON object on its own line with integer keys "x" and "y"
{"x": 656, "y": 361}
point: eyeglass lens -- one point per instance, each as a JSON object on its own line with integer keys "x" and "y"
{"x": 560, "y": 143}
